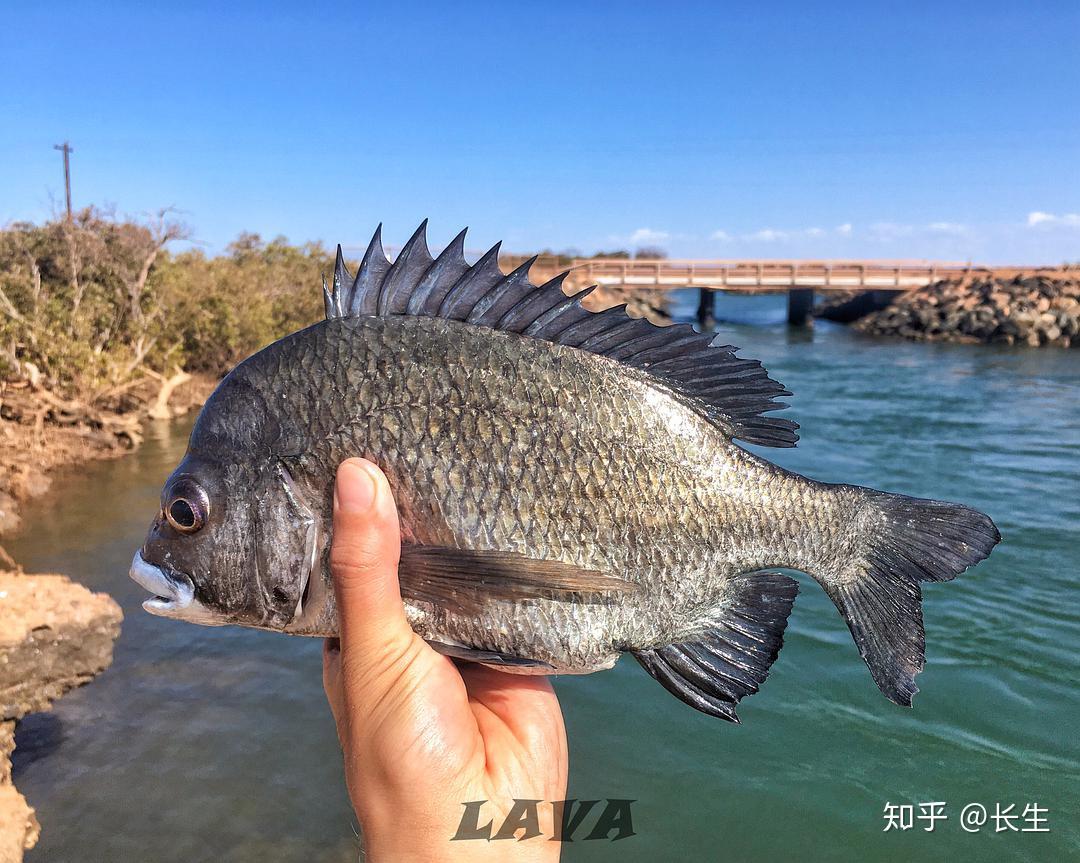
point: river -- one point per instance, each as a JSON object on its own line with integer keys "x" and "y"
{"x": 217, "y": 745}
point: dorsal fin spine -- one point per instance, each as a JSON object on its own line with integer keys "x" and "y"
{"x": 405, "y": 273}
{"x": 542, "y": 326}
{"x": 523, "y": 313}
{"x": 471, "y": 286}
{"x": 451, "y": 263}
{"x": 517, "y": 280}
{"x": 342, "y": 282}
{"x": 328, "y": 301}
{"x": 364, "y": 297}
{"x": 592, "y": 324}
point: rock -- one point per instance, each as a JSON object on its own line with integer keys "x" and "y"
{"x": 1010, "y": 328}
{"x": 54, "y": 635}
{"x": 19, "y": 828}
{"x": 1040, "y": 309}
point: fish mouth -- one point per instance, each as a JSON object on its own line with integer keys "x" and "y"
{"x": 174, "y": 593}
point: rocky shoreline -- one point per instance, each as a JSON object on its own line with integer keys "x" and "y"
{"x": 1040, "y": 309}
{"x": 55, "y": 635}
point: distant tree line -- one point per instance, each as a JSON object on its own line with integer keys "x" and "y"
{"x": 91, "y": 303}
{"x": 565, "y": 258}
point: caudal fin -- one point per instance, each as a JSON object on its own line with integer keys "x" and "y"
{"x": 905, "y": 541}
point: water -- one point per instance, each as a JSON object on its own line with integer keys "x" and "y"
{"x": 216, "y": 744}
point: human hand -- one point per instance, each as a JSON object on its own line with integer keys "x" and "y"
{"x": 421, "y": 735}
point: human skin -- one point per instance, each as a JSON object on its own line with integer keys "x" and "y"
{"x": 421, "y": 734}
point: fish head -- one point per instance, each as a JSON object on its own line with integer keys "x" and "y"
{"x": 234, "y": 540}
{"x": 230, "y": 544}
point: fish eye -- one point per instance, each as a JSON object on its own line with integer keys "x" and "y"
{"x": 187, "y": 507}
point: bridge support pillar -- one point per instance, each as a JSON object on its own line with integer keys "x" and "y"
{"x": 800, "y": 301}
{"x": 706, "y": 309}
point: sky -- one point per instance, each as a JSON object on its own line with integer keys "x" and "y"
{"x": 716, "y": 130}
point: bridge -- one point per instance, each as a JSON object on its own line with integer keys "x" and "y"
{"x": 877, "y": 281}
{"x": 799, "y": 279}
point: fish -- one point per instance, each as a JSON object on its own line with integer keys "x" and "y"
{"x": 571, "y": 485}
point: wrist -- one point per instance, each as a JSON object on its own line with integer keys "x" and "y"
{"x": 406, "y": 840}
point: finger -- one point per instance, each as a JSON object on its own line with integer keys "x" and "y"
{"x": 377, "y": 643}
{"x": 331, "y": 673}
{"x": 524, "y": 704}
{"x": 363, "y": 561}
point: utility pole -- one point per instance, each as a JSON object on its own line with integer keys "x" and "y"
{"x": 67, "y": 150}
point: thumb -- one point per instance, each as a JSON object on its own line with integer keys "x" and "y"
{"x": 363, "y": 562}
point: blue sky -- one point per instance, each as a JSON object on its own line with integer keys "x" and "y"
{"x": 942, "y": 130}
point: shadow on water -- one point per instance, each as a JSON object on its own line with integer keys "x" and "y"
{"x": 37, "y": 736}
{"x": 216, "y": 744}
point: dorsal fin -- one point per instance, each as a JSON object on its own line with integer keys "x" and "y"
{"x": 734, "y": 392}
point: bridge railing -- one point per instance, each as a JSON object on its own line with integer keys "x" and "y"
{"x": 761, "y": 275}
{"x": 767, "y": 274}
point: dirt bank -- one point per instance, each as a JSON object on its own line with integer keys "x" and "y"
{"x": 40, "y": 431}
{"x": 1036, "y": 310}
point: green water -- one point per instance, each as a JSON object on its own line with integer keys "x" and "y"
{"x": 216, "y": 744}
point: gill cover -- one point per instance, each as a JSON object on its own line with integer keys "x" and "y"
{"x": 286, "y": 548}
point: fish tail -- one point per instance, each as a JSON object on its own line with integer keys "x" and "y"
{"x": 902, "y": 541}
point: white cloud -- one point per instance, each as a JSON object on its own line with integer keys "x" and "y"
{"x": 1037, "y": 217}
{"x": 784, "y": 235}
{"x": 768, "y": 235}
{"x": 952, "y": 228}
{"x": 648, "y": 235}
{"x": 889, "y": 230}
{"x": 722, "y": 236}
{"x": 844, "y": 230}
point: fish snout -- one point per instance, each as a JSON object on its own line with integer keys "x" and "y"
{"x": 173, "y": 592}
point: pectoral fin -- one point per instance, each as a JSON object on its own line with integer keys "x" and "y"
{"x": 465, "y": 580}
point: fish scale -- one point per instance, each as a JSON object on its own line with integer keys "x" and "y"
{"x": 569, "y": 486}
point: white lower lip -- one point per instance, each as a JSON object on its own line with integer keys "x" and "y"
{"x": 172, "y": 594}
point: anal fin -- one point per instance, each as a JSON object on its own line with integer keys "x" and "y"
{"x": 730, "y": 657}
